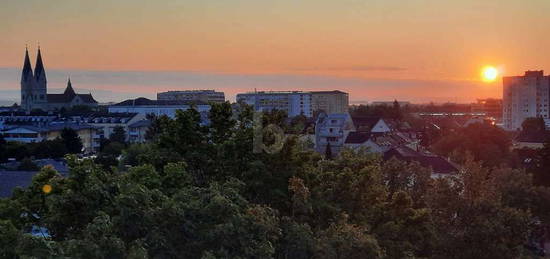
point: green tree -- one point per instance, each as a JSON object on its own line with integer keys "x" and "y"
{"x": 118, "y": 135}
{"x": 328, "y": 152}
{"x": 471, "y": 219}
{"x": 3, "y": 149}
{"x": 486, "y": 143}
{"x": 221, "y": 122}
{"x": 533, "y": 125}
{"x": 8, "y": 239}
{"x": 72, "y": 141}
{"x": 27, "y": 165}
{"x": 344, "y": 240}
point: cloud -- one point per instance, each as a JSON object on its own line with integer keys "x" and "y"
{"x": 354, "y": 68}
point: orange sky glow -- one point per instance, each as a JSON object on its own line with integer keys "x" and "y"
{"x": 431, "y": 49}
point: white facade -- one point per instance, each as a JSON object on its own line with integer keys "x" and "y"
{"x": 158, "y": 107}
{"x": 294, "y": 103}
{"x": 168, "y": 110}
{"x": 330, "y": 101}
{"x": 333, "y": 129}
{"x": 193, "y": 95}
{"x": 525, "y": 96}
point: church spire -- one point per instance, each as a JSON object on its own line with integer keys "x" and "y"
{"x": 39, "y": 73}
{"x": 27, "y": 69}
{"x": 69, "y": 90}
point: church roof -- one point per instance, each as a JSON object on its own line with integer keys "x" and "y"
{"x": 69, "y": 91}
{"x": 39, "y": 68}
{"x": 69, "y": 94}
{"x": 27, "y": 69}
{"x": 64, "y": 98}
{"x": 87, "y": 98}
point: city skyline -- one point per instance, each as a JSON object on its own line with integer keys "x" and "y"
{"x": 370, "y": 49}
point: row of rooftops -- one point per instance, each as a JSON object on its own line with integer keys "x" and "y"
{"x": 57, "y": 126}
{"x": 294, "y": 92}
{"x": 148, "y": 102}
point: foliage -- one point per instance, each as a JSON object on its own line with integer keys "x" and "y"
{"x": 27, "y": 165}
{"x": 328, "y": 152}
{"x": 484, "y": 142}
{"x": 533, "y": 125}
{"x": 72, "y": 141}
{"x": 200, "y": 190}
{"x": 118, "y": 135}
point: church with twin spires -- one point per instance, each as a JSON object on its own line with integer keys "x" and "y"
{"x": 34, "y": 90}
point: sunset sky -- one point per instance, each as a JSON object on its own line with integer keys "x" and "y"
{"x": 411, "y": 50}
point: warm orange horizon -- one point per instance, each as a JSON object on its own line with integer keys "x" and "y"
{"x": 444, "y": 44}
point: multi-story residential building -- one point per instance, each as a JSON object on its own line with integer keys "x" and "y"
{"x": 491, "y": 107}
{"x": 525, "y": 96}
{"x": 107, "y": 122}
{"x": 293, "y": 102}
{"x": 334, "y": 129}
{"x": 138, "y": 130}
{"x": 330, "y": 101}
{"x": 29, "y": 133}
{"x": 38, "y": 126}
{"x": 159, "y": 107}
{"x": 193, "y": 95}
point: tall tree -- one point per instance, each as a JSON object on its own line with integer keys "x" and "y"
{"x": 221, "y": 122}
{"x": 118, "y": 135}
{"x": 72, "y": 141}
{"x": 533, "y": 125}
{"x": 3, "y": 148}
{"x": 328, "y": 152}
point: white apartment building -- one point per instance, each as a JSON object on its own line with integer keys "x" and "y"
{"x": 525, "y": 96}
{"x": 293, "y": 102}
{"x": 158, "y": 107}
{"x": 330, "y": 101}
{"x": 193, "y": 95}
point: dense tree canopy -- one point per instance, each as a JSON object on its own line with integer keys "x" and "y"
{"x": 72, "y": 141}
{"x": 201, "y": 191}
{"x": 486, "y": 143}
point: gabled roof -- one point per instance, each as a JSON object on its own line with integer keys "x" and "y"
{"x": 87, "y": 98}
{"x": 357, "y": 137}
{"x": 141, "y": 123}
{"x": 401, "y": 152}
{"x": 69, "y": 94}
{"x": 438, "y": 164}
{"x": 67, "y": 98}
{"x": 27, "y": 127}
{"x": 365, "y": 123}
{"x": 58, "y": 98}
{"x": 71, "y": 125}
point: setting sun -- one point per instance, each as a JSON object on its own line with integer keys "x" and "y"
{"x": 489, "y": 74}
